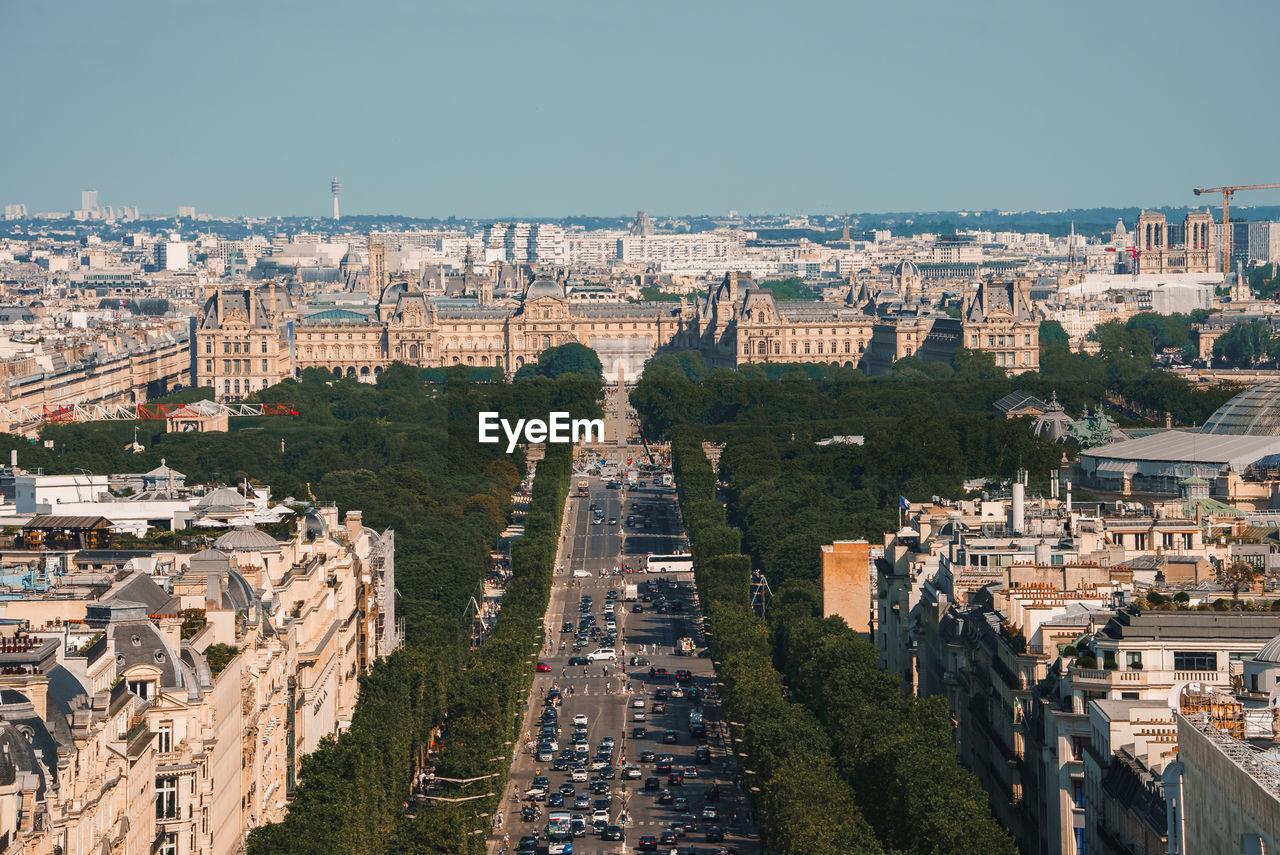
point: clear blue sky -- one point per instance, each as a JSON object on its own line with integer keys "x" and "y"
{"x": 565, "y": 107}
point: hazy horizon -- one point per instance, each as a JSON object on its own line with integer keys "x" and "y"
{"x": 461, "y": 109}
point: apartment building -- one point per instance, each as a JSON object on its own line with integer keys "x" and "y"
{"x": 169, "y": 714}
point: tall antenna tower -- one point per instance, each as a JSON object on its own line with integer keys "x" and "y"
{"x": 336, "y": 188}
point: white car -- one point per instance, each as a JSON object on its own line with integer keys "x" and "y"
{"x": 600, "y": 815}
{"x": 580, "y": 718}
{"x": 637, "y": 702}
{"x": 579, "y": 775}
{"x": 581, "y": 574}
{"x": 603, "y": 653}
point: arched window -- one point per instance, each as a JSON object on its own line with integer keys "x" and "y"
{"x": 413, "y": 351}
{"x": 763, "y": 348}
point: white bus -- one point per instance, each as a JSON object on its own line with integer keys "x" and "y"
{"x": 669, "y": 564}
{"x": 559, "y": 833}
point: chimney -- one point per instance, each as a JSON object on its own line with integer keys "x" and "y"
{"x": 353, "y": 522}
{"x": 1018, "y": 510}
{"x": 251, "y": 297}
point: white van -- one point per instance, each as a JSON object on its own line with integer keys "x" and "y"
{"x": 603, "y": 653}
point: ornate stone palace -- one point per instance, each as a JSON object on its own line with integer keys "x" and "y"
{"x": 248, "y": 339}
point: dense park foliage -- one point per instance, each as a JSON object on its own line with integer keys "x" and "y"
{"x": 848, "y": 764}
{"x": 404, "y": 452}
{"x": 872, "y": 753}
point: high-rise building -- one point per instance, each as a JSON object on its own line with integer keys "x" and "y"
{"x": 187, "y": 211}
{"x": 1264, "y": 242}
{"x": 335, "y": 187}
{"x": 88, "y": 200}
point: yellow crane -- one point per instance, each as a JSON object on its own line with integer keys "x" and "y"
{"x": 1227, "y": 193}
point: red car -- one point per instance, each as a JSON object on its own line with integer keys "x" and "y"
{"x": 543, "y": 666}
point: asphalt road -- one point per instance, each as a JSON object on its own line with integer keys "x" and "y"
{"x": 604, "y": 699}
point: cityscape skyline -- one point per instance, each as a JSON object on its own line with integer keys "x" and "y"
{"x": 575, "y": 109}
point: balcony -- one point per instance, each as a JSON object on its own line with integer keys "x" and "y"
{"x": 1086, "y": 678}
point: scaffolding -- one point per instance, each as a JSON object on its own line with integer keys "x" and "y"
{"x": 1221, "y": 710}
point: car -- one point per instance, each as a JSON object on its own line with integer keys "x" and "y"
{"x": 581, "y": 801}
{"x": 652, "y": 783}
{"x": 603, "y": 654}
{"x": 691, "y": 771}
{"x": 658, "y": 708}
{"x": 715, "y": 834}
{"x": 689, "y": 821}
{"x": 659, "y": 694}
{"x": 665, "y": 797}
{"x": 545, "y": 754}
{"x": 597, "y": 521}
{"x": 581, "y": 718}
{"x": 579, "y": 737}
{"x": 612, "y": 832}
{"x": 567, "y": 626}
{"x": 710, "y": 813}
{"x": 681, "y": 804}
{"x": 631, "y": 772}
{"x": 602, "y": 803}
{"x": 663, "y": 609}
{"x": 647, "y": 843}
{"x": 683, "y": 675}
{"x": 670, "y": 738}
{"x": 637, "y": 715}
{"x": 613, "y": 520}
{"x": 578, "y": 775}
{"x": 608, "y": 773}
{"x": 553, "y": 744}
{"x": 638, "y": 732}
{"x": 608, "y": 742}
{"x": 560, "y": 764}
{"x": 578, "y": 825}
{"x": 599, "y": 763}
{"x": 555, "y": 800}
{"x": 599, "y": 787}
{"x": 675, "y": 779}
{"x": 600, "y": 815}
{"x": 646, "y": 756}
{"x": 662, "y": 765}
{"x": 638, "y": 608}
{"x": 657, "y": 673}
{"x": 669, "y": 836}
{"x": 676, "y": 692}
{"x": 566, "y": 789}
{"x": 529, "y": 839}
{"x": 639, "y": 662}
{"x": 612, "y": 595}
{"x": 702, "y": 754}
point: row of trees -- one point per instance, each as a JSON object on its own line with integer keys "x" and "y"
{"x": 876, "y": 757}
{"x": 805, "y": 807}
{"x": 488, "y": 697}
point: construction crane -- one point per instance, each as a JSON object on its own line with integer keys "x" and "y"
{"x": 1227, "y": 193}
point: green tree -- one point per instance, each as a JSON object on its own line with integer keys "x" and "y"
{"x": 571, "y": 358}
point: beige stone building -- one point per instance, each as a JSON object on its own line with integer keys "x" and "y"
{"x": 249, "y": 339}
{"x": 123, "y": 734}
{"x": 1157, "y": 253}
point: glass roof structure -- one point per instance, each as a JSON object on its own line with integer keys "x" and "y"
{"x": 1254, "y": 412}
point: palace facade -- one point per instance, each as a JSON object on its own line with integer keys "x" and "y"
{"x": 248, "y": 339}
